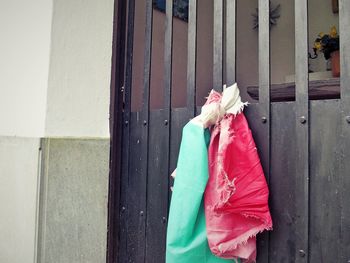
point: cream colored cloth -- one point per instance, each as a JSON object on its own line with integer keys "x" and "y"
{"x": 230, "y": 103}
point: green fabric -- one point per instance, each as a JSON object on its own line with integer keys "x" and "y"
{"x": 186, "y": 235}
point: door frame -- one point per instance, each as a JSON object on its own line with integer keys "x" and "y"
{"x": 115, "y": 124}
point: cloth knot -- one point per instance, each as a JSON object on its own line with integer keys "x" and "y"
{"x": 217, "y": 105}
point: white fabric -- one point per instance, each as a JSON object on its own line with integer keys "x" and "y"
{"x": 230, "y": 103}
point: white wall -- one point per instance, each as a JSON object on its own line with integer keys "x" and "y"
{"x": 18, "y": 191}
{"x": 25, "y": 28}
{"x": 80, "y": 69}
{"x": 24, "y": 51}
{"x": 72, "y": 99}
{"x": 54, "y": 81}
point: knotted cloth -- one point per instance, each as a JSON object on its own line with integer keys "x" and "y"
{"x": 236, "y": 195}
{"x": 218, "y": 105}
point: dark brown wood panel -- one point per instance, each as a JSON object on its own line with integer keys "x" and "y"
{"x": 325, "y": 158}
{"x": 116, "y": 130}
{"x": 304, "y": 146}
{"x": 157, "y": 187}
{"x": 122, "y": 249}
{"x": 136, "y": 192}
{"x": 179, "y": 117}
{"x": 282, "y": 181}
{"x": 256, "y": 125}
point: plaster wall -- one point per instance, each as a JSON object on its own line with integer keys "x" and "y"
{"x": 18, "y": 198}
{"x": 80, "y": 69}
{"x": 25, "y": 28}
{"x": 74, "y": 189}
{"x": 73, "y": 201}
{"x": 54, "y": 81}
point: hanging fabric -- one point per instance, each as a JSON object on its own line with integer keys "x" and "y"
{"x": 216, "y": 218}
{"x": 236, "y": 196}
{"x": 186, "y": 234}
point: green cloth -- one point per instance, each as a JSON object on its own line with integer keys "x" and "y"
{"x": 186, "y": 235}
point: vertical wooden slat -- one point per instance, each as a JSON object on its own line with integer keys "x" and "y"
{"x": 344, "y": 23}
{"x": 179, "y": 118}
{"x": 230, "y": 42}
{"x": 325, "y": 159}
{"x": 145, "y": 117}
{"x": 157, "y": 188}
{"x": 217, "y": 45}
{"x": 302, "y": 131}
{"x": 168, "y": 53}
{"x": 344, "y": 32}
{"x": 158, "y": 161}
{"x": 281, "y": 182}
{"x": 137, "y": 189}
{"x": 116, "y": 109}
{"x": 147, "y": 60}
{"x": 122, "y": 251}
{"x": 168, "y": 64}
{"x": 264, "y": 81}
{"x": 136, "y": 196}
{"x": 264, "y": 108}
{"x": 191, "y": 56}
{"x": 264, "y": 56}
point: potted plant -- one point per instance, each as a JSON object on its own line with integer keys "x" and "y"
{"x": 329, "y": 45}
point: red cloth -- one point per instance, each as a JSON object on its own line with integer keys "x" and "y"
{"x": 236, "y": 195}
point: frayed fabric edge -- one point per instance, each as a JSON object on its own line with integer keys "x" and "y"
{"x": 243, "y": 239}
{"x": 237, "y": 108}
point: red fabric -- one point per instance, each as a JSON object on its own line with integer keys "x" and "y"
{"x": 236, "y": 196}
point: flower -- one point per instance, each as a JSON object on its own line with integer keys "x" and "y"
{"x": 317, "y": 46}
{"x": 333, "y": 32}
{"x": 327, "y": 43}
